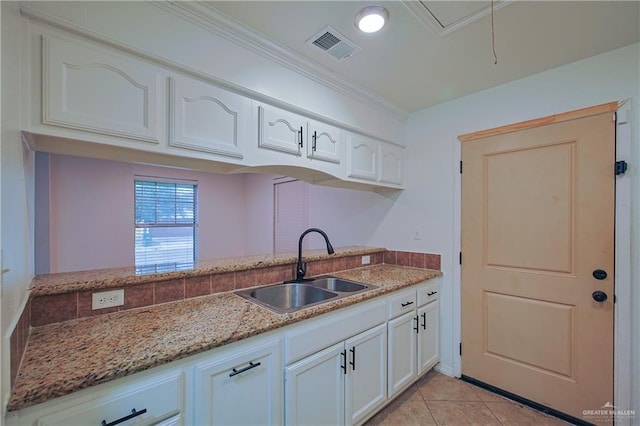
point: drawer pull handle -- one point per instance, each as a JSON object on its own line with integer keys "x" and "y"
{"x": 431, "y": 293}
{"x": 133, "y": 414}
{"x": 242, "y": 370}
{"x": 300, "y": 143}
{"x": 405, "y": 304}
{"x": 353, "y": 358}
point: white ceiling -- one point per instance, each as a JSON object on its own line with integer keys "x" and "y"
{"x": 413, "y": 67}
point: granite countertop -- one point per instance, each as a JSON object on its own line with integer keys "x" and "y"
{"x": 65, "y": 357}
{"x": 66, "y": 282}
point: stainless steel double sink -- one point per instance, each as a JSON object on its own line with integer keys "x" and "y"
{"x": 290, "y": 297}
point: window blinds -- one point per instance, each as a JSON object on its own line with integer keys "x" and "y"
{"x": 165, "y": 225}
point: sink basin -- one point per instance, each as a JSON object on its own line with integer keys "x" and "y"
{"x": 338, "y": 284}
{"x": 284, "y": 298}
{"x": 292, "y": 296}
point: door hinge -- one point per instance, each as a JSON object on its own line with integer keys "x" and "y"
{"x": 621, "y": 167}
{"x": 460, "y": 258}
{"x": 460, "y": 348}
{"x": 460, "y": 166}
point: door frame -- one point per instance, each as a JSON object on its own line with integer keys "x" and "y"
{"x": 622, "y": 249}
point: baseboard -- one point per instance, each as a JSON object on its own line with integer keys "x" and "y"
{"x": 527, "y": 402}
{"x": 444, "y": 369}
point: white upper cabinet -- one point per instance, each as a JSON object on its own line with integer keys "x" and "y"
{"x": 207, "y": 118}
{"x": 90, "y": 88}
{"x": 391, "y": 164}
{"x": 325, "y": 142}
{"x": 284, "y": 131}
{"x": 280, "y": 130}
{"x": 362, "y": 157}
{"x": 375, "y": 160}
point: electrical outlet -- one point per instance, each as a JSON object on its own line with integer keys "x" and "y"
{"x": 366, "y": 260}
{"x": 107, "y": 299}
{"x": 417, "y": 233}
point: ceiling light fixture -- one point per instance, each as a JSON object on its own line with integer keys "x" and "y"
{"x": 371, "y": 19}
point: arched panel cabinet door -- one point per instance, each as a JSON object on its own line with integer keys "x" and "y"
{"x": 207, "y": 118}
{"x": 91, "y": 88}
{"x": 325, "y": 142}
{"x": 281, "y": 130}
{"x": 362, "y": 157}
{"x": 391, "y": 164}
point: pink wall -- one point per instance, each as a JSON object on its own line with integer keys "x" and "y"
{"x": 91, "y": 212}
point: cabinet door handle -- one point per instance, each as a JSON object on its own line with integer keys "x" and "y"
{"x": 424, "y": 320}
{"x": 242, "y": 370}
{"x": 431, "y": 293}
{"x": 416, "y": 328}
{"x": 353, "y": 358}
{"x": 300, "y": 137}
{"x": 315, "y": 137}
{"x": 405, "y": 304}
{"x": 133, "y": 414}
{"x": 344, "y": 361}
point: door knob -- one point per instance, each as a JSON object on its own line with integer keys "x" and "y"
{"x": 599, "y": 274}
{"x": 599, "y": 296}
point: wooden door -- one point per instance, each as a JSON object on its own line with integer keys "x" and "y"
{"x": 290, "y": 215}
{"x": 537, "y": 221}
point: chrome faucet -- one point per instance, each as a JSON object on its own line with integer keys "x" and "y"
{"x": 301, "y": 268}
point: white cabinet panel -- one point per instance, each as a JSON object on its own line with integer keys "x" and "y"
{"x": 244, "y": 388}
{"x": 280, "y": 130}
{"x": 157, "y": 399}
{"x": 391, "y": 164}
{"x": 207, "y": 118}
{"x": 365, "y": 385}
{"x": 326, "y": 142}
{"x": 90, "y": 88}
{"x": 362, "y": 157}
{"x": 402, "y": 352}
{"x": 314, "y": 389}
{"x": 429, "y": 337}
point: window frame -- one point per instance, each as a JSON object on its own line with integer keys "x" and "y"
{"x": 158, "y": 224}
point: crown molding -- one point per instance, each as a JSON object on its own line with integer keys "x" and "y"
{"x": 222, "y": 25}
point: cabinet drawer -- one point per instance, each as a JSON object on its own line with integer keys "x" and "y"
{"x": 307, "y": 340}
{"x": 428, "y": 293}
{"x": 401, "y": 303}
{"x": 161, "y": 397}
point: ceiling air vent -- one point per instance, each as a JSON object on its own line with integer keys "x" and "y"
{"x": 334, "y": 43}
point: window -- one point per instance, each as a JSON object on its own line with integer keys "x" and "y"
{"x": 165, "y": 225}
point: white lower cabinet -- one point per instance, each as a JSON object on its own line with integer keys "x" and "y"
{"x": 341, "y": 368}
{"x": 156, "y": 399}
{"x": 342, "y": 384}
{"x": 241, "y": 388}
{"x": 402, "y": 352}
{"x": 429, "y": 336}
{"x": 413, "y": 336}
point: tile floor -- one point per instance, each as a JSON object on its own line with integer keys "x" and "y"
{"x": 437, "y": 399}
